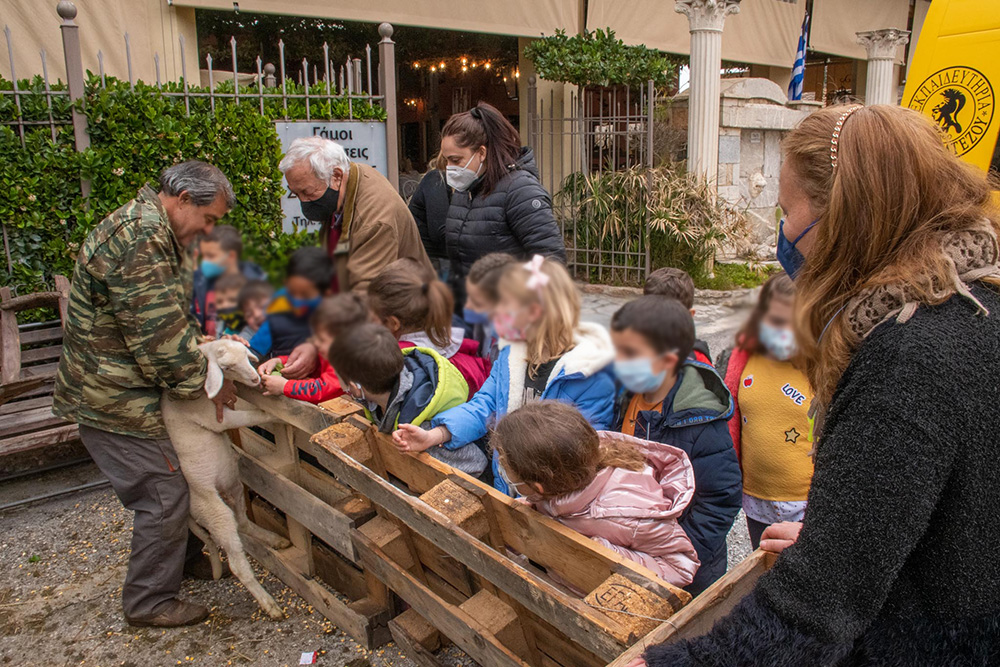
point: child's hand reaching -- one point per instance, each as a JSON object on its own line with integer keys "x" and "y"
{"x": 267, "y": 367}
{"x": 273, "y": 385}
{"x": 410, "y": 438}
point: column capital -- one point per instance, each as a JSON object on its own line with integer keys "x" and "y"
{"x": 706, "y": 15}
{"x": 882, "y": 44}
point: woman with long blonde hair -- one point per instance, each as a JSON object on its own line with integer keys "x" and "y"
{"x": 546, "y": 352}
{"x": 892, "y": 242}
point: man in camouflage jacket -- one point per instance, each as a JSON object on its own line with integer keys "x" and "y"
{"x": 130, "y": 336}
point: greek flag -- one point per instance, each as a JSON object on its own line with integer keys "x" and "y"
{"x": 799, "y": 69}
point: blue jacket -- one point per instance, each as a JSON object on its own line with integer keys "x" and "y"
{"x": 581, "y": 377}
{"x": 286, "y": 327}
{"x": 693, "y": 418}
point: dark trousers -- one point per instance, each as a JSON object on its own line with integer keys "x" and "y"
{"x": 146, "y": 476}
{"x": 756, "y": 529}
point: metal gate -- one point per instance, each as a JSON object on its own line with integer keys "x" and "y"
{"x": 587, "y": 144}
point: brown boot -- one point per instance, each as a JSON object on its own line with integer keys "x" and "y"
{"x": 175, "y": 613}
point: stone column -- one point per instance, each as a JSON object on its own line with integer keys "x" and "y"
{"x": 706, "y": 19}
{"x": 880, "y": 87}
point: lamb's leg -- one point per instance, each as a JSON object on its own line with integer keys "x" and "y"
{"x": 241, "y": 419}
{"x": 210, "y": 545}
{"x": 247, "y": 526}
{"x": 215, "y": 515}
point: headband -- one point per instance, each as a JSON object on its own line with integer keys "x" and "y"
{"x": 835, "y": 139}
{"x": 537, "y": 280}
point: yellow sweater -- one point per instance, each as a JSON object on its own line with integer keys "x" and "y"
{"x": 774, "y": 399}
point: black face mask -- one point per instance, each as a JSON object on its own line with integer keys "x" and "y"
{"x": 322, "y": 209}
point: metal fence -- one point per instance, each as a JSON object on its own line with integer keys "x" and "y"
{"x": 578, "y": 141}
{"x": 351, "y": 81}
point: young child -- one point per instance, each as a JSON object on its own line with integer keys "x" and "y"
{"x": 220, "y": 253}
{"x": 673, "y": 399}
{"x": 622, "y": 492}
{"x": 481, "y": 298}
{"x": 400, "y": 387}
{"x": 545, "y": 353}
{"x": 677, "y": 284}
{"x": 287, "y": 324}
{"x": 416, "y": 307}
{"x": 253, "y": 300}
{"x": 770, "y": 428}
{"x": 333, "y": 316}
{"x": 228, "y": 316}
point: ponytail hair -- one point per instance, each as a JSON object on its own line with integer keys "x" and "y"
{"x": 551, "y": 444}
{"x": 484, "y": 125}
{"x": 412, "y": 293}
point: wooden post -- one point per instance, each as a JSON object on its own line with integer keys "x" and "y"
{"x": 387, "y": 87}
{"x": 74, "y": 78}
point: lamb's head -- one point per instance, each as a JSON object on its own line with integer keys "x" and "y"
{"x": 230, "y": 360}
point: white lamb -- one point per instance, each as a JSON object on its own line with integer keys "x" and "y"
{"x": 209, "y": 465}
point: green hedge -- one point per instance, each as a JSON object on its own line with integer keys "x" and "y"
{"x": 134, "y": 136}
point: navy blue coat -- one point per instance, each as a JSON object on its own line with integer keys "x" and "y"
{"x": 693, "y": 418}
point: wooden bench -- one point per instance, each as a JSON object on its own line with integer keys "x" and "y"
{"x": 29, "y": 359}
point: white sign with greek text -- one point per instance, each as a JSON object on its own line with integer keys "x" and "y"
{"x": 363, "y": 141}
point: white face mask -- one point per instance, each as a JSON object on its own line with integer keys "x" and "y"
{"x": 461, "y": 178}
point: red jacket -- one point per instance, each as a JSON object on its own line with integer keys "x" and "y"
{"x": 473, "y": 368}
{"x": 317, "y": 389}
{"x": 735, "y": 366}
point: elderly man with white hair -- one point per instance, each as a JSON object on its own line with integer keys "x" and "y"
{"x": 366, "y": 224}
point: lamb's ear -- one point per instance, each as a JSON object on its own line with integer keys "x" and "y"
{"x": 213, "y": 381}
{"x": 252, "y": 357}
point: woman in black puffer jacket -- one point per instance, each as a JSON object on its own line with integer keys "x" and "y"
{"x": 892, "y": 242}
{"x": 498, "y": 204}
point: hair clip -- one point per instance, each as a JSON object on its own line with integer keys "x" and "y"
{"x": 835, "y": 139}
{"x": 537, "y": 280}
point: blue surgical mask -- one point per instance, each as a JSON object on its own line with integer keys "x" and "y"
{"x": 474, "y": 316}
{"x": 304, "y": 304}
{"x": 211, "y": 270}
{"x": 637, "y": 375}
{"x": 779, "y": 342}
{"x": 790, "y": 257}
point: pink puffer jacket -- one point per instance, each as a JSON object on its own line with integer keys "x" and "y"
{"x": 635, "y": 513}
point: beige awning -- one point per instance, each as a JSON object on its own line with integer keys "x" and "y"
{"x": 153, "y": 27}
{"x": 523, "y": 18}
{"x": 835, "y": 24}
{"x": 764, "y": 32}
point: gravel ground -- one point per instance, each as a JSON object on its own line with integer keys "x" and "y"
{"x": 62, "y": 563}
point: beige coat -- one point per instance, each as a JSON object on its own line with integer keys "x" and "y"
{"x": 377, "y": 229}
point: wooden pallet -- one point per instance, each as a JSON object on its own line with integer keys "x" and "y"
{"x": 473, "y": 566}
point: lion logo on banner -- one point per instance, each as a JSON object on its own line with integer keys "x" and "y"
{"x": 946, "y": 113}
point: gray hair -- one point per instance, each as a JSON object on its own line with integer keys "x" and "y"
{"x": 323, "y": 155}
{"x": 202, "y": 181}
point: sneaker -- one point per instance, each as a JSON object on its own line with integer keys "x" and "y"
{"x": 200, "y": 567}
{"x": 175, "y": 613}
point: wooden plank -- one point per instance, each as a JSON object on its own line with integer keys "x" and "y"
{"x": 417, "y": 628}
{"x": 337, "y": 572}
{"x": 286, "y": 565}
{"x": 46, "y": 353}
{"x": 29, "y": 420}
{"x": 303, "y": 416}
{"x": 583, "y": 624}
{"x": 33, "y": 300}
{"x": 266, "y": 516}
{"x": 500, "y": 619}
{"x": 412, "y": 648}
{"x": 553, "y": 644}
{"x": 715, "y": 602}
{"x": 10, "y": 341}
{"x": 468, "y": 633}
{"x": 325, "y": 522}
{"x": 44, "y": 371}
{"x": 321, "y": 484}
{"x": 62, "y": 287}
{"x": 25, "y": 404}
{"x": 54, "y": 436}
{"x": 635, "y": 608}
{"x": 45, "y": 335}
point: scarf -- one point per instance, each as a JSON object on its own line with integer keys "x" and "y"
{"x": 973, "y": 254}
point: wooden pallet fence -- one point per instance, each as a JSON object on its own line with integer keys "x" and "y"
{"x": 371, "y": 527}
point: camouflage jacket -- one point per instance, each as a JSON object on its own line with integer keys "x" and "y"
{"x": 129, "y": 333}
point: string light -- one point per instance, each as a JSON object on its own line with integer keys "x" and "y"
{"x": 465, "y": 61}
{"x": 465, "y": 68}
{"x": 441, "y": 65}
{"x": 433, "y": 68}
{"x": 416, "y": 65}
{"x": 487, "y": 65}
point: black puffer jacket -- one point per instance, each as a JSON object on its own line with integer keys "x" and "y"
{"x": 429, "y": 206}
{"x": 897, "y": 560}
{"x": 515, "y": 218}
